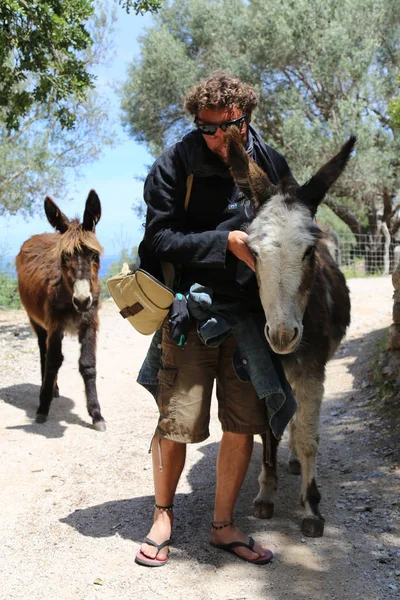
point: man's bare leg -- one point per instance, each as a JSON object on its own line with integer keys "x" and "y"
{"x": 173, "y": 456}
{"x": 233, "y": 460}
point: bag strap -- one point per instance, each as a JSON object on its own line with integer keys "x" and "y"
{"x": 168, "y": 269}
{"x": 189, "y": 183}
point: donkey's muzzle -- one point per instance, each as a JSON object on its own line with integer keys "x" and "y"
{"x": 283, "y": 339}
{"x": 82, "y": 305}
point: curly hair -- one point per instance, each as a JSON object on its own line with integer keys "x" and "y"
{"x": 220, "y": 91}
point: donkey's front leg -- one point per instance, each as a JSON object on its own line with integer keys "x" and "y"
{"x": 87, "y": 368}
{"x": 52, "y": 360}
{"x": 42, "y": 342}
{"x": 294, "y": 463}
{"x": 263, "y": 505}
{"x": 309, "y": 392}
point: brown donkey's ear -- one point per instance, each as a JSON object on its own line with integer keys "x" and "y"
{"x": 312, "y": 193}
{"x": 55, "y": 217}
{"x": 92, "y": 212}
{"x": 249, "y": 178}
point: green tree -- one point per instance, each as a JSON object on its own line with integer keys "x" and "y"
{"x": 323, "y": 69}
{"x": 394, "y": 110}
{"x": 54, "y": 121}
{"x": 38, "y": 157}
{"x": 141, "y": 6}
{"x": 41, "y": 61}
{"x": 43, "y": 55}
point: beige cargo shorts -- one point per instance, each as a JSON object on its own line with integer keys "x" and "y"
{"x": 185, "y": 388}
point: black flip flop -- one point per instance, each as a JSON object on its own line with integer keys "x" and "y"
{"x": 263, "y": 560}
{"x": 147, "y": 561}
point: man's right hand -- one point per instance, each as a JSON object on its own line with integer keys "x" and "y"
{"x": 237, "y": 244}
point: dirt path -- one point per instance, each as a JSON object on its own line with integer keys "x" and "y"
{"x": 75, "y": 503}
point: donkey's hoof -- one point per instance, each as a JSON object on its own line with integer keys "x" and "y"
{"x": 263, "y": 510}
{"x": 40, "y": 418}
{"x": 100, "y": 426}
{"x": 312, "y": 527}
{"x": 56, "y": 392}
{"x": 294, "y": 467}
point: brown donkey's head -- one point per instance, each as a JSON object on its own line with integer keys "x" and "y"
{"x": 78, "y": 250}
{"x": 283, "y": 238}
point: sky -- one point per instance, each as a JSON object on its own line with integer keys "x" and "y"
{"x": 113, "y": 175}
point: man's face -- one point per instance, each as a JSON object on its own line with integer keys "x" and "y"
{"x": 216, "y": 142}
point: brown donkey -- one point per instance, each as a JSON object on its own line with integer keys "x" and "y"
{"x": 59, "y": 288}
{"x": 306, "y": 304}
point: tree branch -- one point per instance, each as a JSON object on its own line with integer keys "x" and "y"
{"x": 395, "y": 227}
{"x": 384, "y": 120}
{"x": 344, "y": 213}
{"x": 394, "y": 211}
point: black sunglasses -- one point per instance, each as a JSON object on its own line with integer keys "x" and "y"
{"x": 211, "y": 128}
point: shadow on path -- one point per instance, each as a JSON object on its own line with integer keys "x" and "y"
{"x": 18, "y": 331}
{"x": 25, "y": 396}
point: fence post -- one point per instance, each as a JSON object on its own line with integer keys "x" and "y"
{"x": 386, "y": 260}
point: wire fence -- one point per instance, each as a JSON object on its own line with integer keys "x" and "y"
{"x": 357, "y": 255}
{"x": 364, "y": 255}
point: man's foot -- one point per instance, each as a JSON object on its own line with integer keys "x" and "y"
{"x": 160, "y": 531}
{"x": 231, "y": 533}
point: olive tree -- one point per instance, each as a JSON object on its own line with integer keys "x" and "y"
{"x": 52, "y": 120}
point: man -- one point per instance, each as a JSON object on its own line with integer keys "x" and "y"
{"x": 208, "y": 242}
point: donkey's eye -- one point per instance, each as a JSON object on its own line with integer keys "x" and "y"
{"x": 95, "y": 257}
{"x": 309, "y": 252}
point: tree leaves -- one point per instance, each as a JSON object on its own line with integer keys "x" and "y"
{"x": 40, "y": 57}
{"x": 59, "y": 128}
{"x": 141, "y": 6}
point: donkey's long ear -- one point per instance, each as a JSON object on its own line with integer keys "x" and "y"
{"x": 288, "y": 184}
{"x": 92, "y": 212}
{"x": 313, "y": 192}
{"x": 55, "y": 217}
{"x": 249, "y": 178}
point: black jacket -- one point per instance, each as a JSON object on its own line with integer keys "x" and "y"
{"x": 197, "y": 239}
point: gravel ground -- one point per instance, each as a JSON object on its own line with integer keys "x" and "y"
{"x": 76, "y": 503}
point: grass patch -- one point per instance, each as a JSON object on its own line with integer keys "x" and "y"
{"x": 356, "y": 270}
{"x": 9, "y": 296}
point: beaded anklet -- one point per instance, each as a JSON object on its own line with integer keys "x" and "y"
{"x": 218, "y": 527}
{"x": 167, "y": 508}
